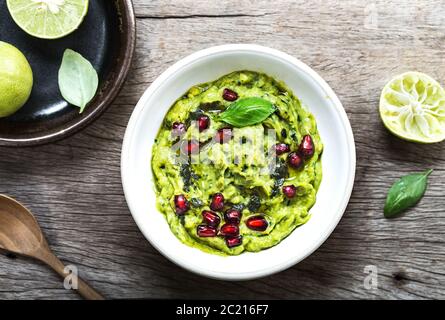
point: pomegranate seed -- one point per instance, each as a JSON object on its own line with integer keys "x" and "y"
{"x": 210, "y": 218}
{"x": 289, "y": 191}
{"x": 234, "y": 241}
{"x": 232, "y": 216}
{"x": 257, "y": 223}
{"x": 229, "y": 95}
{"x": 178, "y": 129}
{"x": 217, "y": 203}
{"x": 229, "y": 230}
{"x": 307, "y": 147}
{"x": 181, "y": 204}
{"x": 190, "y": 147}
{"x": 295, "y": 160}
{"x": 203, "y": 123}
{"x": 281, "y": 148}
{"x": 206, "y": 231}
{"x": 224, "y": 135}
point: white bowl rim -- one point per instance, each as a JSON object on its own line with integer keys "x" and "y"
{"x": 132, "y": 124}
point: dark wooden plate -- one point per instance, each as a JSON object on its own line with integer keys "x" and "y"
{"x": 106, "y": 38}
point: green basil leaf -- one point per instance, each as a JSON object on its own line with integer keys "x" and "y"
{"x": 78, "y": 81}
{"x": 247, "y": 112}
{"x": 405, "y": 193}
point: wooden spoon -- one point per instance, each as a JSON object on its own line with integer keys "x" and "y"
{"x": 20, "y": 234}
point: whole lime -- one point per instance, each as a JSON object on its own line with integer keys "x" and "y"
{"x": 15, "y": 79}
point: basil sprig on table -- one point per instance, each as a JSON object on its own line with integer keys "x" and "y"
{"x": 248, "y": 111}
{"x": 78, "y": 81}
{"x": 405, "y": 193}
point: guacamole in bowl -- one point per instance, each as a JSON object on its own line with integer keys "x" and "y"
{"x": 237, "y": 164}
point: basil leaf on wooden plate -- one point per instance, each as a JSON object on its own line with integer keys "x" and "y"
{"x": 248, "y": 111}
{"x": 405, "y": 193}
{"x": 78, "y": 81}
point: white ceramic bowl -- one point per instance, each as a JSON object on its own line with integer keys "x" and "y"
{"x": 338, "y": 159}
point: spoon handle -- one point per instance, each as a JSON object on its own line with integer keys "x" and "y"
{"x": 84, "y": 289}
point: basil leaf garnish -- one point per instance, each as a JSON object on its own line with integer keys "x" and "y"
{"x": 405, "y": 193}
{"x": 247, "y": 112}
{"x": 78, "y": 81}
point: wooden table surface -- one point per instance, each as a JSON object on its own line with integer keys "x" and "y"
{"x": 74, "y": 188}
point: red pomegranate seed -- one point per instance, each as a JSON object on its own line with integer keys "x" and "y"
{"x": 178, "y": 129}
{"x": 234, "y": 241}
{"x": 217, "y": 203}
{"x": 206, "y": 231}
{"x": 281, "y": 148}
{"x": 229, "y": 95}
{"x": 232, "y": 216}
{"x": 257, "y": 223}
{"x": 289, "y": 191}
{"x": 295, "y": 160}
{"x": 210, "y": 218}
{"x": 224, "y": 135}
{"x": 307, "y": 147}
{"x": 203, "y": 123}
{"x": 181, "y": 204}
{"x": 229, "y": 230}
{"x": 190, "y": 147}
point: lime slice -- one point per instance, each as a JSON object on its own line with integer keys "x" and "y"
{"x": 412, "y": 106}
{"x": 48, "y": 19}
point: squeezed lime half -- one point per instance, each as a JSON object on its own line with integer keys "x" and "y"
{"x": 48, "y": 19}
{"x": 412, "y": 107}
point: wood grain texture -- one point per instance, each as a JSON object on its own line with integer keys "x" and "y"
{"x": 74, "y": 188}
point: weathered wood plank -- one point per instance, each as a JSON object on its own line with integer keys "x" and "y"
{"x": 73, "y": 186}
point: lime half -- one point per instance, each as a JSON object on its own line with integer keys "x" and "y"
{"x": 48, "y": 19}
{"x": 412, "y": 106}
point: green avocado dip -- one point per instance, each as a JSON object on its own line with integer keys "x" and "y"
{"x": 237, "y": 164}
